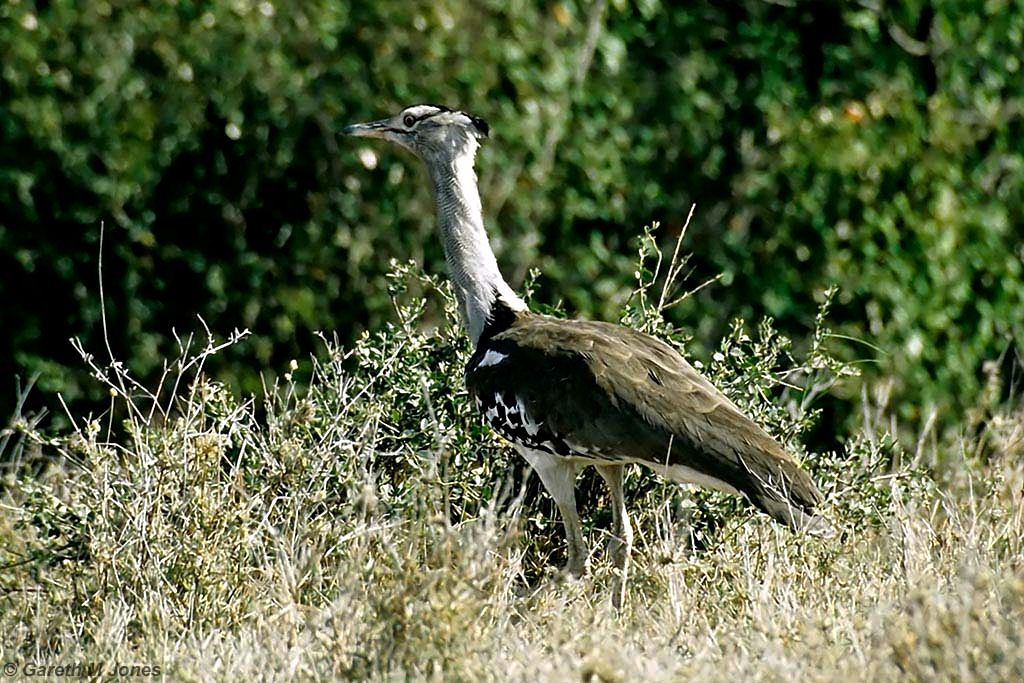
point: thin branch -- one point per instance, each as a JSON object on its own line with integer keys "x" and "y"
{"x": 103, "y": 299}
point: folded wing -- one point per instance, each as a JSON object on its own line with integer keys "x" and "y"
{"x": 608, "y": 393}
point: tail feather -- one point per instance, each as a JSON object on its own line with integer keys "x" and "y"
{"x": 787, "y": 513}
{"x": 779, "y": 487}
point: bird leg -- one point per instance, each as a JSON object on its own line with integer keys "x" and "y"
{"x": 621, "y": 544}
{"x": 558, "y": 475}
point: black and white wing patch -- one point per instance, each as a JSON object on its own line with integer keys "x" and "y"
{"x": 545, "y": 402}
{"x": 508, "y": 415}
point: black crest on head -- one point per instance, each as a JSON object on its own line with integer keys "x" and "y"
{"x": 480, "y": 125}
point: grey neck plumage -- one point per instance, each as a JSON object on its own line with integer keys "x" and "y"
{"x": 471, "y": 263}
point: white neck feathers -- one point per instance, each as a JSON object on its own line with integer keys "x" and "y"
{"x": 471, "y": 262}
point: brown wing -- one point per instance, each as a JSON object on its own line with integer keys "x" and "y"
{"x": 611, "y": 392}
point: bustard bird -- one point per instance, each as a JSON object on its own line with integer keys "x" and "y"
{"x": 571, "y": 393}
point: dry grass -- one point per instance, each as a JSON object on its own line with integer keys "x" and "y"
{"x": 368, "y": 529}
{"x": 937, "y": 593}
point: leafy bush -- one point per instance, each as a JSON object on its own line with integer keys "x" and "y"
{"x": 869, "y": 147}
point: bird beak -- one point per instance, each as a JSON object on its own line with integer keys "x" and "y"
{"x": 374, "y": 129}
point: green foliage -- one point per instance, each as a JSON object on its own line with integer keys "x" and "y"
{"x": 870, "y": 147}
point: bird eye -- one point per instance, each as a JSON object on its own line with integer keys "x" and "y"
{"x": 409, "y": 120}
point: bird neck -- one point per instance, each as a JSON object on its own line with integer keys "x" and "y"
{"x": 472, "y": 266}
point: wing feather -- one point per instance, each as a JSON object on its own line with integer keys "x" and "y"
{"x": 616, "y": 392}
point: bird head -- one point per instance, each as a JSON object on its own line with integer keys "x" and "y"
{"x": 431, "y": 132}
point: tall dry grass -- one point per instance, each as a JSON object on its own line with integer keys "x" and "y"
{"x": 357, "y": 522}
